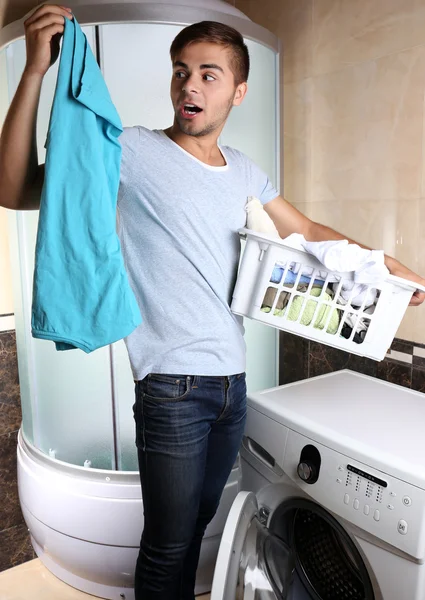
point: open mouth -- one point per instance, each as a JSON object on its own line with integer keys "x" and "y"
{"x": 190, "y": 110}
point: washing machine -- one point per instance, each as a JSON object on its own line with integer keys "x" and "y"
{"x": 333, "y": 507}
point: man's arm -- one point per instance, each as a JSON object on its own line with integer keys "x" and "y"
{"x": 288, "y": 219}
{"x": 21, "y": 178}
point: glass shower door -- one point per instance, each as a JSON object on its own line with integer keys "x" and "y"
{"x": 66, "y": 396}
{"x": 75, "y": 406}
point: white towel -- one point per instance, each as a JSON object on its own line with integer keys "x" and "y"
{"x": 368, "y": 266}
{"x": 257, "y": 219}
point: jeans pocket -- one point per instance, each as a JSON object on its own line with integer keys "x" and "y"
{"x": 167, "y": 388}
{"x": 239, "y": 382}
{"x": 137, "y": 415}
{"x": 238, "y": 392}
{"x": 136, "y": 398}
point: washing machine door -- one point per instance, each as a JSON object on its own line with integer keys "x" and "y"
{"x": 252, "y": 563}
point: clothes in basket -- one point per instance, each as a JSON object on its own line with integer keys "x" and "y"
{"x": 320, "y": 316}
{"x": 338, "y": 257}
{"x": 370, "y": 267}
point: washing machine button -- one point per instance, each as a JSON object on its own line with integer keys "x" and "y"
{"x": 307, "y": 471}
{"x": 402, "y": 527}
{"x": 356, "y": 504}
{"x": 366, "y": 509}
{"x": 407, "y": 501}
{"x": 393, "y": 494}
{"x": 376, "y": 515}
{"x": 346, "y": 499}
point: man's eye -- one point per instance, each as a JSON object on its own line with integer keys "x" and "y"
{"x": 179, "y": 75}
{"x": 211, "y": 78}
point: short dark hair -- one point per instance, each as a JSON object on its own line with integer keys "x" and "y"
{"x": 216, "y": 33}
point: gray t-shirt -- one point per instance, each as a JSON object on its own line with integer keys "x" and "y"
{"x": 178, "y": 220}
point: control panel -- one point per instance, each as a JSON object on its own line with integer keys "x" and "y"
{"x": 385, "y": 506}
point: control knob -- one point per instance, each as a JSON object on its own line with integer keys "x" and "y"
{"x": 307, "y": 471}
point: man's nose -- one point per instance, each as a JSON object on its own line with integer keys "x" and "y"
{"x": 191, "y": 85}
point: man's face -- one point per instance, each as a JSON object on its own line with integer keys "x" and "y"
{"x": 203, "y": 88}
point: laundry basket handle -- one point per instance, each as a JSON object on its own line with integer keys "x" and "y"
{"x": 407, "y": 283}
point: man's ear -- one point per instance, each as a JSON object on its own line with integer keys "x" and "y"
{"x": 240, "y": 93}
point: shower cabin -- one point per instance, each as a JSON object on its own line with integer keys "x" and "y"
{"x": 78, "y": 479}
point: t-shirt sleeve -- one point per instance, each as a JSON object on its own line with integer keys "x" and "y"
{"x": 130, "y": 143}
{"x": 129, "y": 140}
{"x": 262, "y": 187}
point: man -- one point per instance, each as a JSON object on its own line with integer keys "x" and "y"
{"x": 181, "y": 202}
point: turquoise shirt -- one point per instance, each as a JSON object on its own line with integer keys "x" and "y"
{"x": 81, "y": 294}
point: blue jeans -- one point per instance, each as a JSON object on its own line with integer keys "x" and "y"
{"x": 188, "y": 432}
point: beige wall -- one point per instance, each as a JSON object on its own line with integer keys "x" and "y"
{"x": 353, "y": 120}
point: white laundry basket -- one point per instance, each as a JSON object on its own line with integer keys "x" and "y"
{"x": 262, "y": 292}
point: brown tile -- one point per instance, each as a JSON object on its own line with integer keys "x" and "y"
{"x": 395, "y": 372}
{"x": 293, "y": 353}
{"x": 419, "y": 362}
{"x": 9, "y": 378}
{"x": 402, "y": 346}
{"x": 324, "y": 359}
{"x": 15, "y": 547}
{"x": 10, "y": 405}
{"x": 10, "y": 510}
{"x": 10, "y": 418}
{"x": 418, "y": 380}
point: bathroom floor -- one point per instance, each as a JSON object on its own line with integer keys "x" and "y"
{"x": 32, "y": 581}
